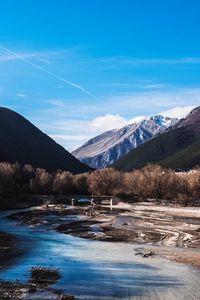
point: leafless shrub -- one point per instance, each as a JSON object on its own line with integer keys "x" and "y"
{"x": 155, "y": 182}
{"x": 80, "y": 184}
{"x": 42, "y": 182}
{"x": 62, "y": 183}
{"x": 7, "y": 187}
{"x": 104, "y": 182}
{"x": 152, "y": 181}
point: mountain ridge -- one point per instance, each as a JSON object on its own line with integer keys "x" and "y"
{"x": 177, "y": 148}
{"x": 108, "y": 147}
{"x": 23, "y": 142}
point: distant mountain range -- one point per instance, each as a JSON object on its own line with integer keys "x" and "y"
{"x": 105, "y": 149}
{"x": 22, "y": 142}
{"x": 177, "y": 148}
{"x": 157, "y": 139}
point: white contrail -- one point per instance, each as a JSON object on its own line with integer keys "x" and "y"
{"x": 50, "y": 73}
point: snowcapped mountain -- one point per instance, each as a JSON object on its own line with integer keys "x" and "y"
{"x": 177, "y": 148}
{"x": 108, "y": 147}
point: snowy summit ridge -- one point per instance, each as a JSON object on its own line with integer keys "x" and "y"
{"x": 106, "y": 148}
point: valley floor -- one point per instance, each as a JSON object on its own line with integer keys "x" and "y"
{"x": 125, "y": 259}
{"x": 169, "y": 231}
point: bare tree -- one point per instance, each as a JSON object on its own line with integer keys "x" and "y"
{"x": 63, "y": 183}
{"x": 104, "y": 182}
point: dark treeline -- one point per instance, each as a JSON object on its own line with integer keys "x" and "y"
{"x": 151, "y": 182}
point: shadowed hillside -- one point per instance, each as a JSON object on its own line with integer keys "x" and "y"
{"x": 177, "y": 148}
{"x": 22, "y": 142}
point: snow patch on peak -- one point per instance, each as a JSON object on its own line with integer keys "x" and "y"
{"x": 109, "y": 146}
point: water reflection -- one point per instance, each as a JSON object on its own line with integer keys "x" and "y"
{"x": 95, "y": 270}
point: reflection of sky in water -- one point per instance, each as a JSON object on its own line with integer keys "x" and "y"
{"x": 106, "y": 270}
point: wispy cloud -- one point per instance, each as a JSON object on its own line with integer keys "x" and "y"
{"x": 20, "y": 95}
{"x": 148, "y": 61}
{"x": 149, "y": 85}
{"x": 69, "y": 137}
{"x": 162, "y": 61}
{"x": 126, "y": 103}
{"x": 36, "y": 66}
{"x": 68, "y": 126}
{"x": 57, "y": 103}
{"x": 8, "y": 57}
{"x": 39, "y": 56}
{"x": 45, "y": 56}
{"x": 114, "y": 62}
{"x": 70, "y": 142}
{"x": 128, "y": 89}
{"x": 154, "y": 100}
{"x": 70, "y": 133}
{"x": 178, "y": 112}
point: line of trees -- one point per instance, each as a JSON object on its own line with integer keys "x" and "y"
{"x": 152, "y": 182}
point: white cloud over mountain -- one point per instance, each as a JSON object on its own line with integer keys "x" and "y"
{"x": 107, "y": 121}
{"x": 73, "y": 133}
{"x": 112, "y": 121}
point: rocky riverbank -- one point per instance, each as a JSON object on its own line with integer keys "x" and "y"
{"x": 9, "y": 248}
{"x": 36, "y": 288}
{"x": 174, "y": 231}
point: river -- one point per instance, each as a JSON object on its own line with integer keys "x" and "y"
{"x": 98, "y": 270}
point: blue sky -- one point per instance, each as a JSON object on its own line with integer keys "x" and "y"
{"x": 77, "y": 68}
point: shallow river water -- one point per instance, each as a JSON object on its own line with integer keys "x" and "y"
{"x": 98, "y": 270}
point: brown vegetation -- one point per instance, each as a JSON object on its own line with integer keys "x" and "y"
{"x": 151, "y": 182}
{"x": 105, "y": 182}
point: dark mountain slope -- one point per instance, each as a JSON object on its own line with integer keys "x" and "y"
{"x": 191, "y": 119}
{"x": 178, "y": 148}
{"x": 190, "y": 156}
{"x": 21, "y": 141}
